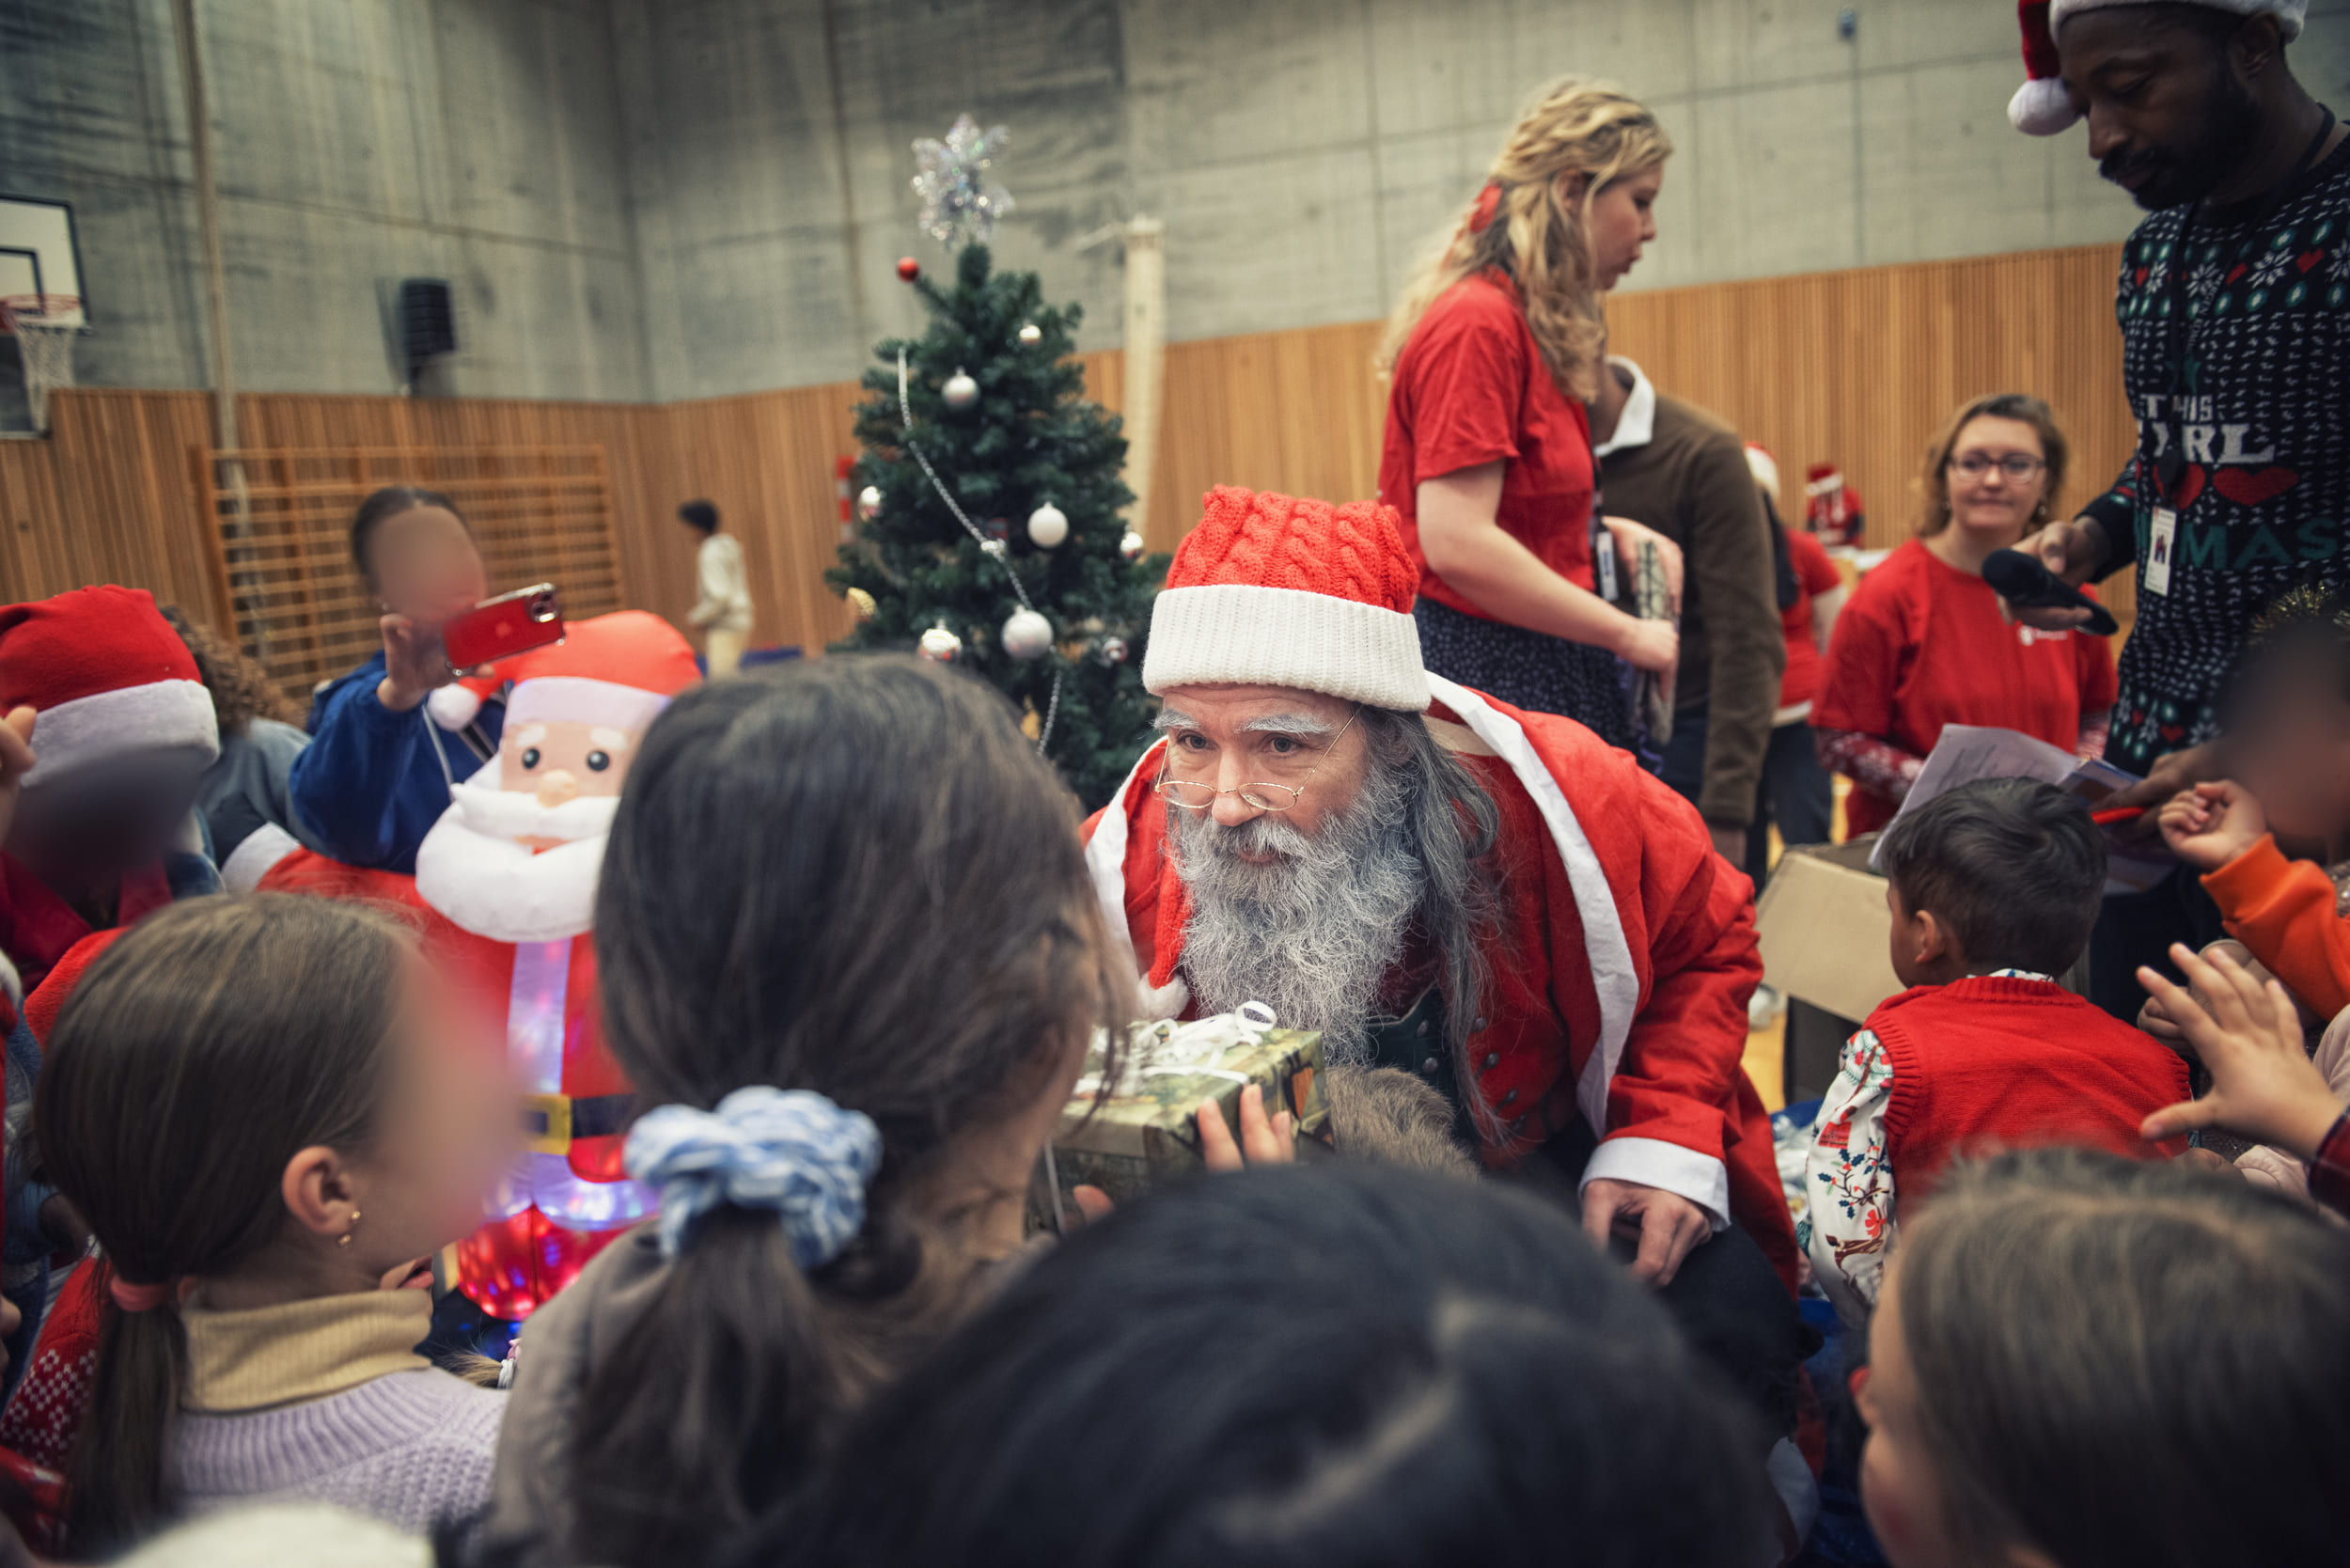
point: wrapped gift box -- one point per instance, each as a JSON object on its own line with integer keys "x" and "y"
{"x": 1143, "y": 1132}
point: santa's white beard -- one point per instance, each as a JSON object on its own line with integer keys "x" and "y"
{"x": 1313, "y": 933}
{"x": 471, "y": 868}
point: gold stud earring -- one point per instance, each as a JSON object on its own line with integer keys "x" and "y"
{"x": 345, "y": 1240}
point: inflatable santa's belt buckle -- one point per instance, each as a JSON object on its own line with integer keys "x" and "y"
{"x": 551, "y": 1121}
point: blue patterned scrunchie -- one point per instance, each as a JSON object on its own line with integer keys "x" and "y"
{"x": 789, "y": 1150}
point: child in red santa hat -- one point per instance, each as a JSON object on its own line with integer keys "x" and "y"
{"x": 120, "y": 730}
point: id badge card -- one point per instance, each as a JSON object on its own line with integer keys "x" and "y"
{"x": 2160, "y": 540}
{"x": 1603, "y": 559}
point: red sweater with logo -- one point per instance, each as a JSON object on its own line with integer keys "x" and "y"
{"x": 1923, "y": 645}
{"x": 1996, "y": 1061}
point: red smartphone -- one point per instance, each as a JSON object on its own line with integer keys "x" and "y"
{"x": 502, "y": 627}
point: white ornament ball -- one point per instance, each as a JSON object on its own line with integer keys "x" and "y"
{"x": 1027, "y": 634}
{"x": 1047, "y": 526}
{"x": 1130, "y": 547}
{"x": 960, "y": 392}
{"x": 940, "y": 644}
{"x": 1113, "y": 651}
{"x": 1031, "y": 335}
{"x": 869, "y": 503}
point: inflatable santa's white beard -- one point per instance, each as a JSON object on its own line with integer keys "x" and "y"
{"x": 472, "y": 868}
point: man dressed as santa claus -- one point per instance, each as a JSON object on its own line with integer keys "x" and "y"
{"x": 512, "y": 869}
{"x": 1494, "y": 900}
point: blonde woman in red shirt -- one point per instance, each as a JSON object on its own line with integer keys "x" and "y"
{"x": 1923, "y": 643}
{"x": 1493, "y": 354}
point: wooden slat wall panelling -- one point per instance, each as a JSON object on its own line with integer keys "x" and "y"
{"x": 296, "y": 601}
{"x": 1857, "y": 367}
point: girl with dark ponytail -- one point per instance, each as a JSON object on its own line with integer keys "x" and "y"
{"x": 848, "y": 948}
{"x": 266, "y": 1116}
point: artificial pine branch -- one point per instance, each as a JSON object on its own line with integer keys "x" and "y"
{"x": 1032, "y": 437}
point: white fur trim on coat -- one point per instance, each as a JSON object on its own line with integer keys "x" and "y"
{"x": 250, "y": 861}
{"x": 1614, "y": 980}
{"x": 1246, "y": 633}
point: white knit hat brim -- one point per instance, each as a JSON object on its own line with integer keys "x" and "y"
{"x": 159, "y": 715}
{"x": 1248, "y": 635}
{"x": 2289, "y": 13}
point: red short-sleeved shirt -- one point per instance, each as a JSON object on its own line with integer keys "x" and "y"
{"x": 1815, "y": 575}
{"x": 1923, "y": 645}
{"x": 1470, "y": 387}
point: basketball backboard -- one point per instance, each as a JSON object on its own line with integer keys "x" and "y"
{"x": 38, "y": 251}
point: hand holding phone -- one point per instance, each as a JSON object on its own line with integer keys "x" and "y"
{"x": 500, "y": 628}
{"x": 2025, "y": 581}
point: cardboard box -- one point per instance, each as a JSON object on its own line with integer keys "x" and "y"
{"x": 1143, "y": 1133}
{"x": 1824, "y": 929}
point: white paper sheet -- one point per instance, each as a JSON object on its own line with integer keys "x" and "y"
{"x": 1967, "y": 752}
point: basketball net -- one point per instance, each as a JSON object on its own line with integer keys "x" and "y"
{"x": 44, "y": 329}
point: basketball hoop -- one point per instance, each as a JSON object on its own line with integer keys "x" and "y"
{"x": 44, "y": 325}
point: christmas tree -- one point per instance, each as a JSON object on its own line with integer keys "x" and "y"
{"x": 989, "y": 497}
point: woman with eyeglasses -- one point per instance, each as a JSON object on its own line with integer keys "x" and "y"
{"x": 1923, "y": 643}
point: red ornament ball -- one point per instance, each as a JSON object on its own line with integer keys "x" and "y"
{"x": 908, "y": 269}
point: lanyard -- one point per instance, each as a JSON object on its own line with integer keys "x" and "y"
{"x": 2179, "y": 347}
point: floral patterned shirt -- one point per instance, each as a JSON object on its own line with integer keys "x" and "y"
{"x": 1848, "y": 1228}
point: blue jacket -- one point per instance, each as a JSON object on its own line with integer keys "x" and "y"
{"x": 369, "y": 786}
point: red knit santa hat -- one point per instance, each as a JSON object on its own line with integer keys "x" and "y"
{"x": 2042, "y": 106}
{"x": 1272, "y": 590}
{"x": 617, "y": 669}
{"x": 107, "y": 676}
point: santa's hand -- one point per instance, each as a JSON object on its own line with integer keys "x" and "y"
{"x": 16, "y": 761}
{"x": 1668, "y": 1225}
{"x": 415, "y": 664}
{"x": 1263, "y": 1140}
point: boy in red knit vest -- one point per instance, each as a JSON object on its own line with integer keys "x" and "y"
{"x": 1994, "y": 887}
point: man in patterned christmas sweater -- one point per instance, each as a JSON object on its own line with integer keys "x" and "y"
{"x": 2233, "y": 302}
{"x": 1993, "y": 886}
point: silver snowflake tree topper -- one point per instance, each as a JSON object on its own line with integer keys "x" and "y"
{"x": 959, "y": 202}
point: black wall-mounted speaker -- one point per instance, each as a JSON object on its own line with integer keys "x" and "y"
{"x": 426, "y": 326}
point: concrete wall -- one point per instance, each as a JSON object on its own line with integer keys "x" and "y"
{"x": 676, "y": 198}
{"x": 357, "y": 142}
{"x": 1302, "y": 152}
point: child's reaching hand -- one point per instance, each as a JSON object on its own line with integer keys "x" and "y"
{"x": 2211, "y": 824}
{"x": 2263, "y": 1084}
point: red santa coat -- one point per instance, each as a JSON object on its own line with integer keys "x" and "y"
{"x": 571, "y": 1197}
{"x": 1620, "y": 978}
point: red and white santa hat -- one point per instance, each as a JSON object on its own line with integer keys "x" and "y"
{"x": 1764, "y": 467}
{"x": 1273, "y": 590}
{"x": 2042, "y": 107}
{"x": 617, "y": 671}
{"x": 108, "y": 678}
